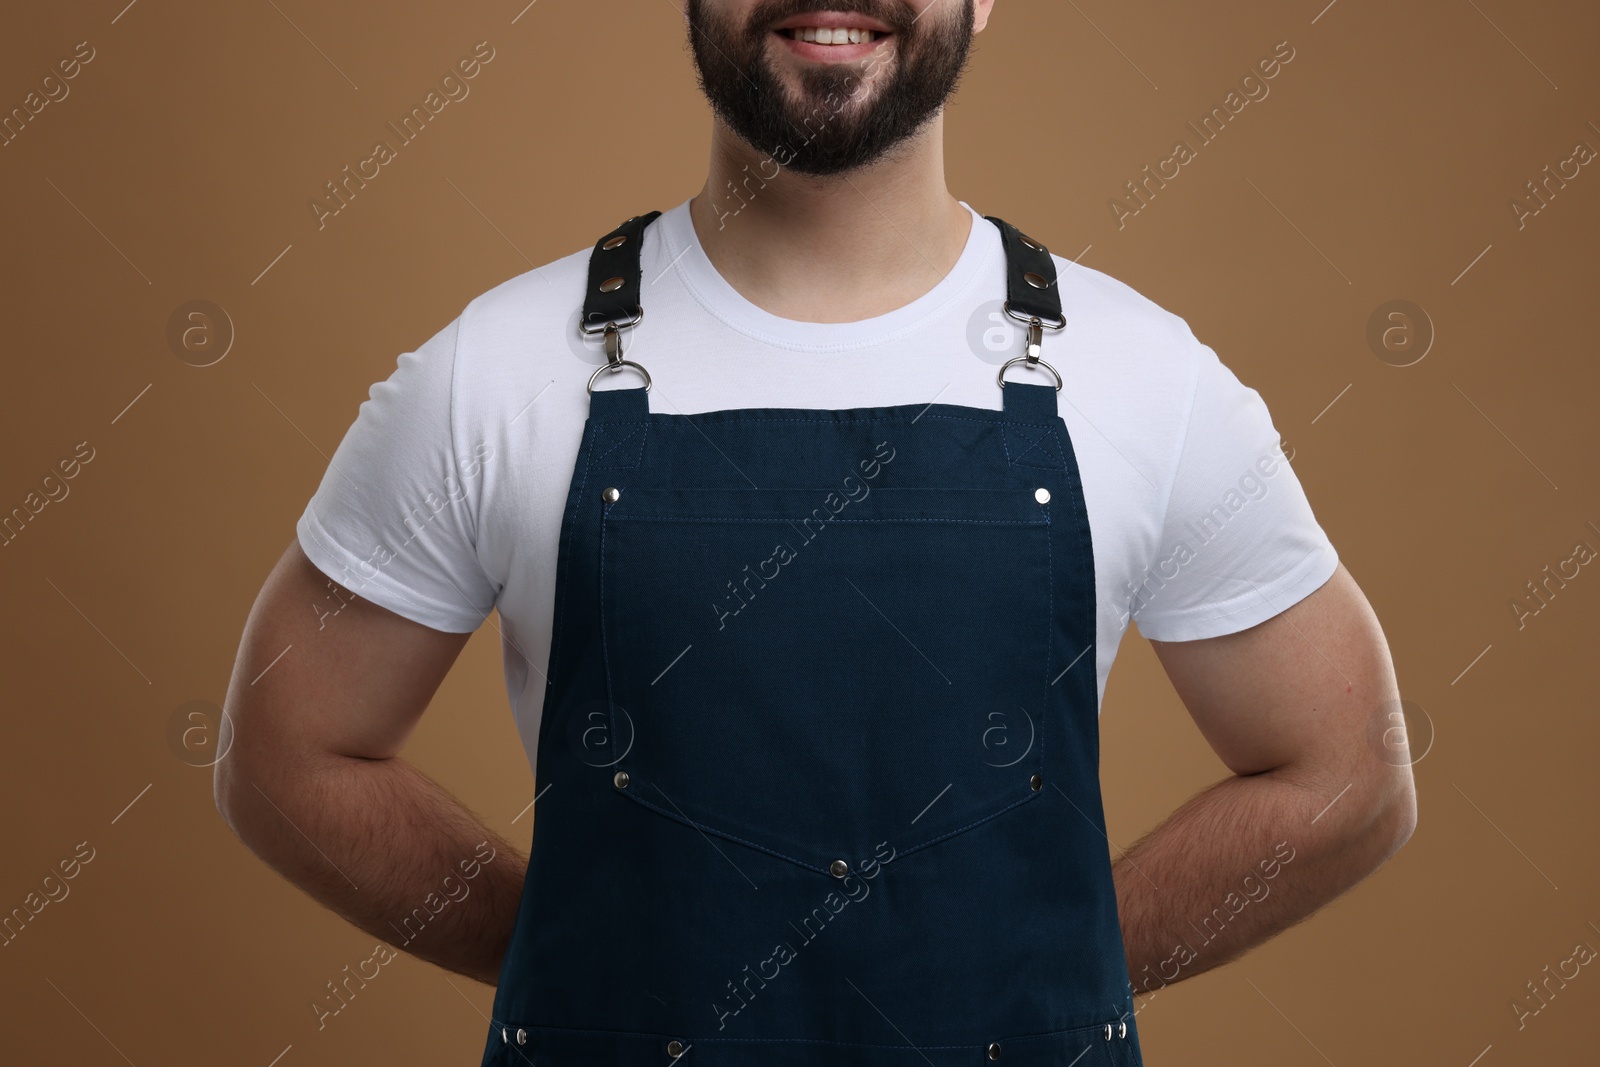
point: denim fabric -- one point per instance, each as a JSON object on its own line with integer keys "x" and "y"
{"x": 818, "y": 768}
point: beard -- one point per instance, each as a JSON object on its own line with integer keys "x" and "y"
{"x": 833, "y": 125}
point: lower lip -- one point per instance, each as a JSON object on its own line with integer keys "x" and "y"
{"x": 831, "y": 53}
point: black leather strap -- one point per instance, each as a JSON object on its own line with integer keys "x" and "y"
{"x": 614, "y": 265}
{"x": 1031, "y": 279}
{"x": 1030, "y": 276}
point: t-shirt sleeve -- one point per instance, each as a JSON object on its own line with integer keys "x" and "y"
{"x": 1239, "y": 542}
{"x": 394, "y": 517}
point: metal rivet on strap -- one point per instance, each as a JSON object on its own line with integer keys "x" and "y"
{"x": 994, "y": 1050}
{"x": 1108, "y": 1031}
{"x": 1122, "y": 1030}
{"x": 674, "y": 1048}
{"x": 611, "y": 285}
{"x": 522, "y": 1037}
{"x": 1030, "y": 242}
{"x": 620, "y": 779}
{"x": 1042, "y": 495}
{"x": 616, "y": 242}
{"x": 611, "y": 495}
{"x": 1036, "y": 782}
{"x": 838, "y": 868}
{"x": 1035, "y": 280}
{"x": 504, "y": 1037}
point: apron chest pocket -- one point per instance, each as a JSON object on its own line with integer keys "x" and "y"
{"x": 814, "y": 674}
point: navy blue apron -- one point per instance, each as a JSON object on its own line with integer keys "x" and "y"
{"x": 818, "y": 766}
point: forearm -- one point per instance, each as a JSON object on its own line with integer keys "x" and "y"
{"x": 1239, "y": 862}
{"x": 387, "y": 848}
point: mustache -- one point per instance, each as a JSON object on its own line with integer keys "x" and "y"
{"x": 766, "y": 15}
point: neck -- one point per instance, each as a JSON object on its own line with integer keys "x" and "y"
{"x": 832, "y": 249}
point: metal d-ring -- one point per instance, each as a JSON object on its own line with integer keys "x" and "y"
{"x": 1059, "y": 324}
{"x": 618, "y": 365}
{"x": 634, "y": 320}
{"x": 1029, "y": 361}
{"x": 614, "y": 360}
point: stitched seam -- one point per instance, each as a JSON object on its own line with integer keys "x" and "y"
{"x": 1075, "y": 1031}
{"x": 620, "y": 442}
{"x": 1183, "y": 447}
{"x": 830, "y": 522}
{"x": 570, "y": 524}
{"x": 866, "y": 415}
{"x": 708, "y": 828}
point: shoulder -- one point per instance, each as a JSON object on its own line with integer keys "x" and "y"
{"x": 1129, "y": 335}
{"x": 530, "y": 301}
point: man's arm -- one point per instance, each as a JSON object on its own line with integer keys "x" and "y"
{"x": 1293, "y": 706}
{"x": 311, "y": 781}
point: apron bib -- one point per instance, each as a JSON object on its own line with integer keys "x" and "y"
{"x": 818, "y": 766}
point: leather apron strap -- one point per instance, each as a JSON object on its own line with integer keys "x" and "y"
{"x": 611, "y": 299}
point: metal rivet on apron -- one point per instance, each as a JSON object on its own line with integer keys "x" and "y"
{"x": 1037, "y": 782}
{"x": 1122, "y": 1028}
{"x": 674, "y": 1048}
{"x": 611, "y": 285}
{"x": 504, "y": 1037}
{"x": 994, "y": 1050}
{"x": 1108, "y": 1031}
{"x": 616, "y": 242}
{"x": 839, "y": 868}
{"x": 1030, "y": 242}
{"x": 522, "y": 1037}
{"x": 620, "y": 779}
{"x": 611, "y": 496}
{"x": 1042, "y": 495}
{"x": 1035, "y": 280}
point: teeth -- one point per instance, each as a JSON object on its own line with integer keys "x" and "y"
{"x": 833, "y": 36}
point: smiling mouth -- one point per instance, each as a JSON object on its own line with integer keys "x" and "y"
{"x": 836, "y": 36}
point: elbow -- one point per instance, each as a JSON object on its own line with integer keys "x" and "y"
{"x": 1399, "y": 822}
{"x": 1393, "y": 818}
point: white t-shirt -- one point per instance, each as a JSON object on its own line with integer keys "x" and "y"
{"x": 444, "y": 500}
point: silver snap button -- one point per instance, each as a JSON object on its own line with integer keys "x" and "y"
{"x": 1036, "y": 782}
{"x": 994, "y": 1050}
{"x": 1042, "y": 495}
{"x": 620, "y": 779}
{"x": 839, "y": 868}
{"x": 522, "y": 1037}
{"x": 674, "y": 1048}
{"x": 1035, "y": 280}
{"x": 611, "y": 495}
{"x": 616, "y": 242}
{"x": 1122, "y": 1030}
{"x": 1108, "y": 1031}
{"x": 611, "y": 285}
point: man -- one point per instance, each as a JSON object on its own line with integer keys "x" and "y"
{"x": 809, "y": 582}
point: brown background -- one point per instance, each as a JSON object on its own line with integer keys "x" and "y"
{"x": 1380, "y": 167}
